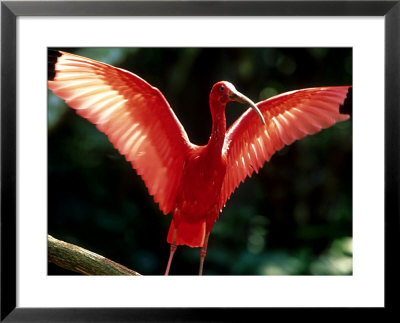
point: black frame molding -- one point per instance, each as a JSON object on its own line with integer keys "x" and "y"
{"x": 11, "y": 10}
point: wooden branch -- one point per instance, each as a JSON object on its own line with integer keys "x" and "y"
{"x": 74, "y": 258}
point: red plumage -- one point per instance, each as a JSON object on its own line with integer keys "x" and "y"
{"x": 289, "y": 116}
{"x": 193, "y": 182}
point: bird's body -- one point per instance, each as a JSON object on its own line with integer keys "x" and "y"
{"x": 192, "y": 182}
{"x": 196, "y": 205}
{"x": 197, "y": 202}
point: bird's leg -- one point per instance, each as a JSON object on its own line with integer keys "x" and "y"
{"x": 203, "y": 253}
{"x": 171, "y": 253}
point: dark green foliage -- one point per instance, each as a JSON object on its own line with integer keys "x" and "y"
{"x": 293, "y": 217}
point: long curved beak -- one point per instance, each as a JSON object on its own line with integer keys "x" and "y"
{"x": 239, "y": 97}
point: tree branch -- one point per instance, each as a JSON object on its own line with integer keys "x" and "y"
{"x": 74, "y": 258}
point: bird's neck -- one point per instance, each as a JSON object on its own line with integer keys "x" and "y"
{"x": 217, "y": 138}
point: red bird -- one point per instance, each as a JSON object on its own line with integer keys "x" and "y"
{"x": 193, "y": 182}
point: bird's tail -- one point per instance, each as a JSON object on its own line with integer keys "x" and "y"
{"x": 190, "y": 234}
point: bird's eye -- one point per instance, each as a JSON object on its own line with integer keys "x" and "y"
{"x": 222, "y": 88}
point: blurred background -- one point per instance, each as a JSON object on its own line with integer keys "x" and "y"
{"x": 292, "y": 218}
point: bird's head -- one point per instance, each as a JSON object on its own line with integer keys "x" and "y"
{"x": 224, "y": 92}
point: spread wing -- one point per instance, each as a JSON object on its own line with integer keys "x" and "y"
{"x": 289, "y": 117}
{"x": 134, "y": 115}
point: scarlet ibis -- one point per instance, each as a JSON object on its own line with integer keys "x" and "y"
{"x": 193, "y": 182}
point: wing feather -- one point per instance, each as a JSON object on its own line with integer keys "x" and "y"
{"x": 289, "y": 116}
{"x": 134, "y": 115}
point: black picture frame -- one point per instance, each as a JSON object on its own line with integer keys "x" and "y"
{"x": 11, "y": 10}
